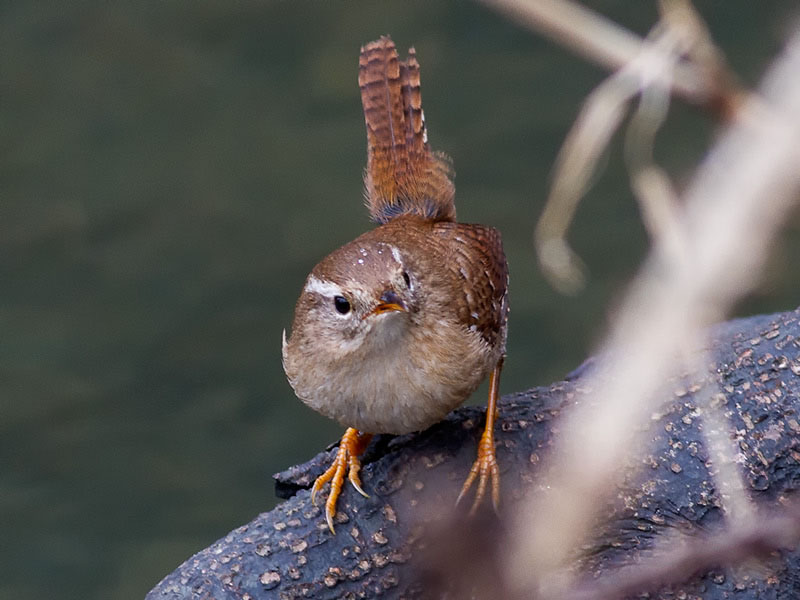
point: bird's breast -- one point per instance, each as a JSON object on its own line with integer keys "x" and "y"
{"x": 398, "y": 387}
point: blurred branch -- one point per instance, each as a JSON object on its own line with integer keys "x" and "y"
{"x": 679, "y": 39}
{"x": 648, "y": 75}
{"x": 733, "y": 209}
{"x": 604, "y": 42}
{"x": 756, "y": 538}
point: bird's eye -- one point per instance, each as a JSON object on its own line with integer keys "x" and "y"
{"x": 407, "y": 279}
{"x": 341, "y": 304}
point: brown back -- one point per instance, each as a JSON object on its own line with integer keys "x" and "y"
{"x": 478, "y": 259}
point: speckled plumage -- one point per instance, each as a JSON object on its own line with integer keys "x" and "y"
{"x": 401, "y": 371}
{"x": 397, "y": 328}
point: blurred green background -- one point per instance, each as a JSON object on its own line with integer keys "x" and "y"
{"x": 170, "y": 172}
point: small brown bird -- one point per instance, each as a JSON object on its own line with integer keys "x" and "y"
{"x": 397, "y": 328}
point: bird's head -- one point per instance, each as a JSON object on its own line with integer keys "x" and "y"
{"x": 362, "y": 297}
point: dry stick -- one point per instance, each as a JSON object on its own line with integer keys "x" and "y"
{"x": 649, "y": 74}
{"x": 600, "y": 117}
{"x": 662, "y": 213}
{"x": 757, "y": 538}
{"x": 658, "y": 202}
{"x": 734, "y": 206}
{"x": 599, "y": 40}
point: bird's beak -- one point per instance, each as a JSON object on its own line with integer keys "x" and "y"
{"x": 389, "y": 301}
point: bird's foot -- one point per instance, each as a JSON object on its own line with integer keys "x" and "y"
{"x": 353, "y": 443}
{"x": 484, "y": 469}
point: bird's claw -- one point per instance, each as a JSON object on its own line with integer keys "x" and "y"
{"x": 483, "y": 469}
{"x": 351, "y": 446}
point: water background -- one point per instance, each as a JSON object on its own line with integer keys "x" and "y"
{"x": 170, "y": 172}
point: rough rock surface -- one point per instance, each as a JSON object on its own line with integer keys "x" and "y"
{"x": 413, "y": 480}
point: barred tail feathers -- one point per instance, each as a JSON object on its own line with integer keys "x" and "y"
{"x": 403, "y": 176}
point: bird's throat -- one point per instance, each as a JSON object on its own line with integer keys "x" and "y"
{"x": 385, "y": 330}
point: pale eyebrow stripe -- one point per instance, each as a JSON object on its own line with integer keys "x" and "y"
{"x": 396, "y": 255}
{"x": 322, "y": 287}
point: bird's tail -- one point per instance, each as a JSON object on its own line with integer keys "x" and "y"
{"x": 403, "y": 176}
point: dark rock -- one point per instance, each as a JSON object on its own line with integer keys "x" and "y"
{"x": 413, "y": 481}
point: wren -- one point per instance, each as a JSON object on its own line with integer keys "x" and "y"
{"x": 397, "y": 328}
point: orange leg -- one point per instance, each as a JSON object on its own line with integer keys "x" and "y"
{"x": 353, "y": 443}
{"x": 485, "y": 466}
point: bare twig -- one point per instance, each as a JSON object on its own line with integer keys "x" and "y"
{"x": 649, "y": 75}
{"x": 734, "y": 207}
{"x": 604, "y": 42}
{"x": 722, "y": 446}
{"x": 753, "y": 538}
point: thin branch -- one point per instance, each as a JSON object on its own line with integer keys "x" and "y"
{"x": 602, "y": 41}
{"x": 649, "y": 74}
{"x": 735, "y": 205}
{"x": 758, "y": 537}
